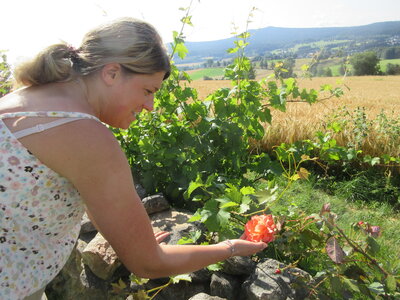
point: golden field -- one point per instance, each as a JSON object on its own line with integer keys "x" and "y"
{"x": 301, "y": 121}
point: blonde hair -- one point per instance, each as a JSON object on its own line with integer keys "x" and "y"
{"x": 133, "y": 43}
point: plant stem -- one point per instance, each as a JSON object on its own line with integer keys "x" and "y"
{"x": 158, "y": 289}
{"x": 361, "y": 251}
{"x": 181, "y": 31}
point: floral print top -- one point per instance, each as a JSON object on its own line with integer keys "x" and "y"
{"x": 40, "y": 214}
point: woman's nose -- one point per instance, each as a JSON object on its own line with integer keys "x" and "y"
{"x": 149, "y": 104}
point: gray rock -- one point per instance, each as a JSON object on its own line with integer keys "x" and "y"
{"x": 183, "y": 290}
{"x": 93, "y": 265}
{"x": 224, "y": 286}
{"x": 239, "y": 265}
{"x": 89, "y": 280}
{"x": 86, "y": 225}
{"x": 74, "y": 265}
{"x": 204, "y": 296}
{"x": 155, "y": 203}
{"x": 174, "y": 222}
{"x": 265, "y": 284}
{"x": 202, "y": 275}
{"x": 83, "y": 286}
{"x": 140, "y": 190}
{"x": 100, "y": 257}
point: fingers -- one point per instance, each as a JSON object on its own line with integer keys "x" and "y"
{"x": 243, "y": 236}
{"x": 263, "y": 246}
{"x": 258, "y": 246}
{"x": 161, "y": 235}
{"x": 245, "y": 248}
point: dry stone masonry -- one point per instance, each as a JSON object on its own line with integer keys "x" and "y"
{"x": 93, "y": 266}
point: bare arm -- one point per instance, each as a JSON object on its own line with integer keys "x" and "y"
{"x": 92, "y": 159}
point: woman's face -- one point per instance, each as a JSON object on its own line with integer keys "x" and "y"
{"x": 131, "y": 94}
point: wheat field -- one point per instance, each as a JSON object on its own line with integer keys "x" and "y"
{"x": 301, "y": 120}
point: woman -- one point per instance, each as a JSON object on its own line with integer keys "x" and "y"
{"x": 57, "y": 158}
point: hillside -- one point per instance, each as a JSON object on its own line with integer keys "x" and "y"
{"x": 269, "y": 39}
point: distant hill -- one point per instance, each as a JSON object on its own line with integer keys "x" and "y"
{"x": 276, "y": 38}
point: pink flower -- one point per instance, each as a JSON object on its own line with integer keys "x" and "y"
{"x": 260, "y": 228}
{"x": 374, "y": 231}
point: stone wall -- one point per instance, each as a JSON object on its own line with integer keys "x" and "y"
{"x": 93, "y": 266}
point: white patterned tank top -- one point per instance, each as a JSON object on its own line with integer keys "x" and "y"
{"x": 40, "y": 212}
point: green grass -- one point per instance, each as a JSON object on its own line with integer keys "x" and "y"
{"x": 308, "y": 197}
{"x": 383, "y": 63}
{"x": 210, "y": 72}
{"x": 319, "y": 45}
{"x": 335, "y": 70}
{"x": 333, "y": 64}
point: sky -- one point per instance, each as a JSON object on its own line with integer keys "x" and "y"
{"x": 27, "y": 26}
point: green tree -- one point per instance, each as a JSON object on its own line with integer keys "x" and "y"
{"x": 252, "y": 72}
{"x": 393, "y": 69}
{"x": 391, "y": 53}
{"x": 5, "y": 75}
{"x": 366, "y": 63}
{"x": 328, "y": 72}
{"x": 285, "y": 69}
{"x": 209, "y": 63}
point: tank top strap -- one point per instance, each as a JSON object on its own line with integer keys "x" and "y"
{"x": 54, "y": 114}
{"x": 63, "y": 118}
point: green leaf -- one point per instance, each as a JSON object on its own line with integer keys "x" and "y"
{"x": 244, "y": 35}
{"x": 141, "y": 295}
{"x": 305, "y": 67}
{"x": 326, "y": 87}
{"x": 138, "y": 280}
{"x": 182, "y": 277}
{"x": 294, "y": 177}
{"x": 355, "y": 272}
{"x": 376, "y": 288}
{"x": 229, "y": 204}
{"x": 196, "y": 217}
{"x": 336, "y": 284}
{"x": 209, "y": 215}
{"x": 373, "y": 246}
{"x": 215, "y": 267}
{"x": 240, "y": 43}
{"x": 290, "y": 84}
{"x": 375, "y": 160}
{"x": 335, "y": 126}
{"x": 266, "y": 196}
{"x": 391, "y": 283}
{"x": 185, "y": 240}
{"x": 247, "y": 190}
{"x": 232, "y": 50}
{"x": 175, "y": 34}
{"x": 244, "y": 208}
{"x": 181, "y": 50}
{"x": 223, "y": 217}
{"x": 193, "y": 186}
{"x": 352, "y": 284}
{"x": 120, "y": 286}
{"x": 187, "y": 20}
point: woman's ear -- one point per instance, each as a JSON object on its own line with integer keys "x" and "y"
{"x": 110, "y": 73}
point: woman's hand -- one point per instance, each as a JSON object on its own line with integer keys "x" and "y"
{"x": 241, "y": 247}
{"x": 245, "y": 248}
{"x": 160, "y": 236}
